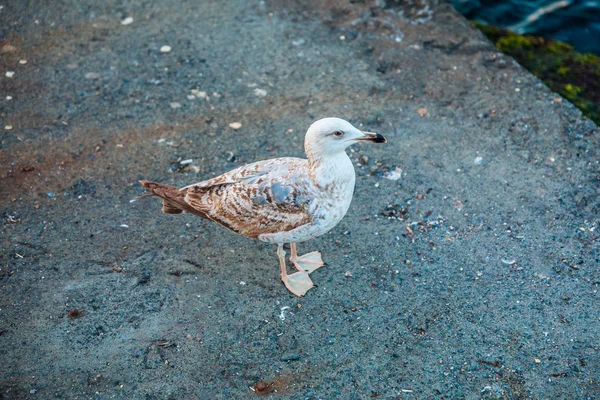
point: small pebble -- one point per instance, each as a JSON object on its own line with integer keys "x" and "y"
{"x": 8, "y": 97}
{"x": 394, "y": 175}
{"x": 8, "y": 48}
{"x": 235, "y": 125}
{"x": 478, "y": 160}
{"x": 92, "y": 75}
{"x": 127, "y": 21}
{"x": 165, "y": 49}
{"x": 175, "y": 105}
{"x": 10, "y": 74}
{"x": 22, "y": 62}
{"x": 260, "y": 92}
{"x": 50, "y": 194}
{"x": 7, "y": 127}
{"x": 290, "y": 357}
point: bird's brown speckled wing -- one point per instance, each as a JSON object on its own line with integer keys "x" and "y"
{"x": 264, "y": 197}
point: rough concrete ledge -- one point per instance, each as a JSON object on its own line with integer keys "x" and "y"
{"x": 474, "y": 275}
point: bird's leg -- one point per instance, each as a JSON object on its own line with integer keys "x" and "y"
{"x": 298, "y": 283}
{"x": 309, "y": 262}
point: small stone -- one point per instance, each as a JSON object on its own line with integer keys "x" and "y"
{"x": 72, "y": 66}
{"x": 165, "y": 49}
{"x": 8, "y": 98}
{"x": 537, "y": 360}
{"x": 10, "y": 74}
{"x": 422, "y": 111}
{"x": 517, "y": 90}
{"x": 191, "y": 97}
{"x": 92, "y": 75}
{"x": 50, "y": 194}
{"x": 235, "y": 125}
{"x": 8, "y": 48}
{"x": 175, "y": 105}
{"x": 478, "y": 160}
{"x": 22, "y": 62}
{"x": 127, "y": 21}
{"x": 290, "y": 357}
{"x": 394, "y": 175}
{"x": 260, "y": 92}
{"x": 342, "y": 37}
{"x": 7, "y": 127}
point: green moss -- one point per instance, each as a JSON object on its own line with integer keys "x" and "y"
{"x": 563, "y": 71}
{"x": 573, "y": 75}
{"x": 572, "y": 90}
{"x": 559, "y": 47}
{"x": 514, "y": 43}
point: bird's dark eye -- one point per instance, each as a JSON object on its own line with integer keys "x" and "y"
{"x": 338, "y": 133}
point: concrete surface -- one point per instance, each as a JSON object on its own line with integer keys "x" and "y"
{"x": 474, "y": 276}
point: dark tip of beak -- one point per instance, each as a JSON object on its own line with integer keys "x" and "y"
{"x": 373, "y": 137}
{"x": 379, "y": 138}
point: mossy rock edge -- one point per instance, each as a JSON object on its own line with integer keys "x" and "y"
{"x": 573, "y": 75}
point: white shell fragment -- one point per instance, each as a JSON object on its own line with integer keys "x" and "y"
{"x": 393, "y": 175}
{"x": 260, "y": 92}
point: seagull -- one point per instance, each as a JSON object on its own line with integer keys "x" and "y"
{"x": 281, "y": 200}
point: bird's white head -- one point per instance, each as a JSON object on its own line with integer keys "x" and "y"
{"x": 331, "y": 136}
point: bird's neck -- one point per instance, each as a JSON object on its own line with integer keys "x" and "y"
{"x": 332, "y": 171}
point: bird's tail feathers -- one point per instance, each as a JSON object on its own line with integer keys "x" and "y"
{"x": 173, "y": 198}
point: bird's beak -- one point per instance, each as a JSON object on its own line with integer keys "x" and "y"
{"x": 372, "y": 137}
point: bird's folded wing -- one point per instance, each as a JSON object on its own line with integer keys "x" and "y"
{"x": 265, "y": 197}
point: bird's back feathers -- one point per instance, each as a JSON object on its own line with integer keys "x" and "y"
{"x": 264, "y": 197}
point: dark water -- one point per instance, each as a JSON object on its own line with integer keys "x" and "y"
{"x": 574, "y": 22}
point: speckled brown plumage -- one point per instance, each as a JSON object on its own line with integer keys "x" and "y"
{"x": 259, "y": 198}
